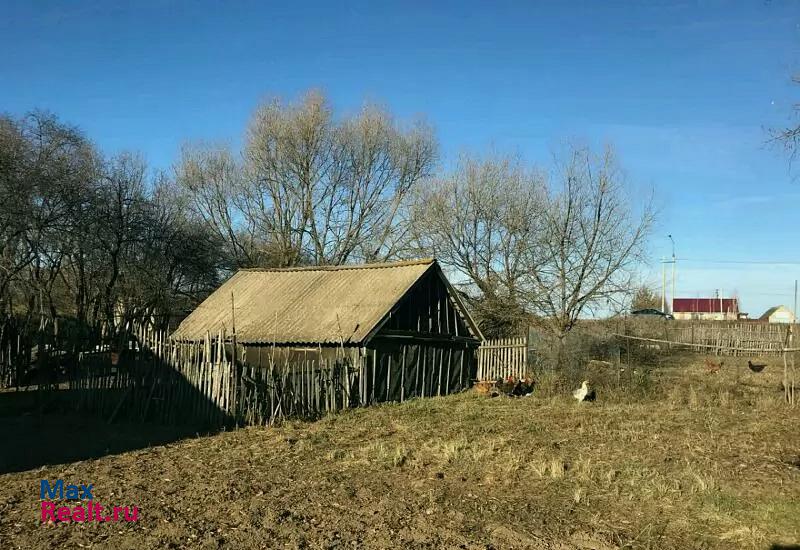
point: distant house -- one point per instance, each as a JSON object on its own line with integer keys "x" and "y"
{"x": 706, "y": 309}
{"x": 778, "y": 314}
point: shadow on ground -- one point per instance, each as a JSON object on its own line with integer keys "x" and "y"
{"x": 34, "y": 434}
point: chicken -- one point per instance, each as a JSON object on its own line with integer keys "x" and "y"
{"x": 712, "y": 367}
{"x": 754, "y": 367}
{"x": 523, "y": 387}
{"x": 505, "y": 385}
{"x": 584, "y": 393}
{"x": 511, "y": 387}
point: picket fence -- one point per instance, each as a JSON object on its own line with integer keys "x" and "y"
{"x": 503, "y": 358}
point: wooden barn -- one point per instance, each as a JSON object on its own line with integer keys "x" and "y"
{"x": 401, "y": 325}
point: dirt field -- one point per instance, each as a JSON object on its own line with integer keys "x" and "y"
{"x": 682, "y": 459}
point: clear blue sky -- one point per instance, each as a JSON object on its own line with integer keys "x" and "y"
{"x": 685, "y": 91}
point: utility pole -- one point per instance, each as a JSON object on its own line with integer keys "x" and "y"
{"x": 672, "y": 296}
{"x": 663, "y": 283}
{"x": 795, "y": 301}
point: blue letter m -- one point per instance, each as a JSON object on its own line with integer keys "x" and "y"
{"x": 57, "y": 489}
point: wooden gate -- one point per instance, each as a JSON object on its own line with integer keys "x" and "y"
{"x": 503, "y": 358}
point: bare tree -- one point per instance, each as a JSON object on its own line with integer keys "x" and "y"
{"x": 44, "y": 165}
{"x": 176, "y": 260}
{"x": 16, "y": 202}
{"x": 90, "y": 240}
{"x": 549, "y": 248}
{"x": 789, "y": 137}
{"x": 590, "y": 242}
{"x": 212, "y": 179}
{"x": 329, "y": 190}
{"x": 311, "y": 188}
{"x": 479, "y": 220}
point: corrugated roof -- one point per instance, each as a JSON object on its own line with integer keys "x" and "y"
{"x": 304, "y": 305}
{"x": 705, "y": 305}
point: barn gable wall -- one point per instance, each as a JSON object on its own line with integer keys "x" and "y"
{"x": 426, "y": 309}
{"x": 424, "y": 348}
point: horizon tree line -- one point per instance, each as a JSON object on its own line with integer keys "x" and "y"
{"x": 103, "y": 240}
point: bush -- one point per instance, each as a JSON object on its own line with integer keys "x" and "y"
{"x": 591, "y": 352}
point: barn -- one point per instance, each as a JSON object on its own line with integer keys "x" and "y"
{"x": 401, "y": 323}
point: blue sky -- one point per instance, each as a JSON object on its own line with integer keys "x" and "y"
{"x": 684, "y": 90}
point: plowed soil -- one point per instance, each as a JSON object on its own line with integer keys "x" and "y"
{"x": 701, "y": 461}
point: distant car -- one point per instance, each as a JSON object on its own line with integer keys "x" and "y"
{"x": 652, "y": 312}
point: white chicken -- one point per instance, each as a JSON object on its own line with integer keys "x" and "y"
{"x": 584, "y": 393}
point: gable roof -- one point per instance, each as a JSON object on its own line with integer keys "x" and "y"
{"x": 705, "y": 305}
{"x": 310, "y": 305}
{"x": 771, "y": 311}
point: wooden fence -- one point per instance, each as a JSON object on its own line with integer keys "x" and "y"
{"x": 720, "y": 338}
{"x": 214, "y": 383}
{"x": 740, "y": 339}
{"x": 32, "y": 355}
{"x": 161, "y": 380}
{"x": 12, "y": 354}
{"x": 19, "y": 350}
{"x": 503, "y": 358}
{"x": 736, "y": 339}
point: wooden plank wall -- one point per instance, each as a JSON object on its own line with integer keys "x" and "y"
{"x": 503, "y": 358}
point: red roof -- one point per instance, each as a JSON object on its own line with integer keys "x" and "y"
{"x": 705, "y": 305}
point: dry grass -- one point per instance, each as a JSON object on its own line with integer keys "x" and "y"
{"x": 677, "y": 459}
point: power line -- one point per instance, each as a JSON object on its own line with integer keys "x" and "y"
{"x": 781, "y": 294}
{"x": 754, "y": 262}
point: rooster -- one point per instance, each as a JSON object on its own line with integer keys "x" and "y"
{"x": 584, "y": 393}
{"x": 712, "y": 367}
{"x": 523, "y": 387}
{"x": 505, "y": 385}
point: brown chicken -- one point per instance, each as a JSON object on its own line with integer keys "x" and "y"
{"x": 713, "y": 367}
